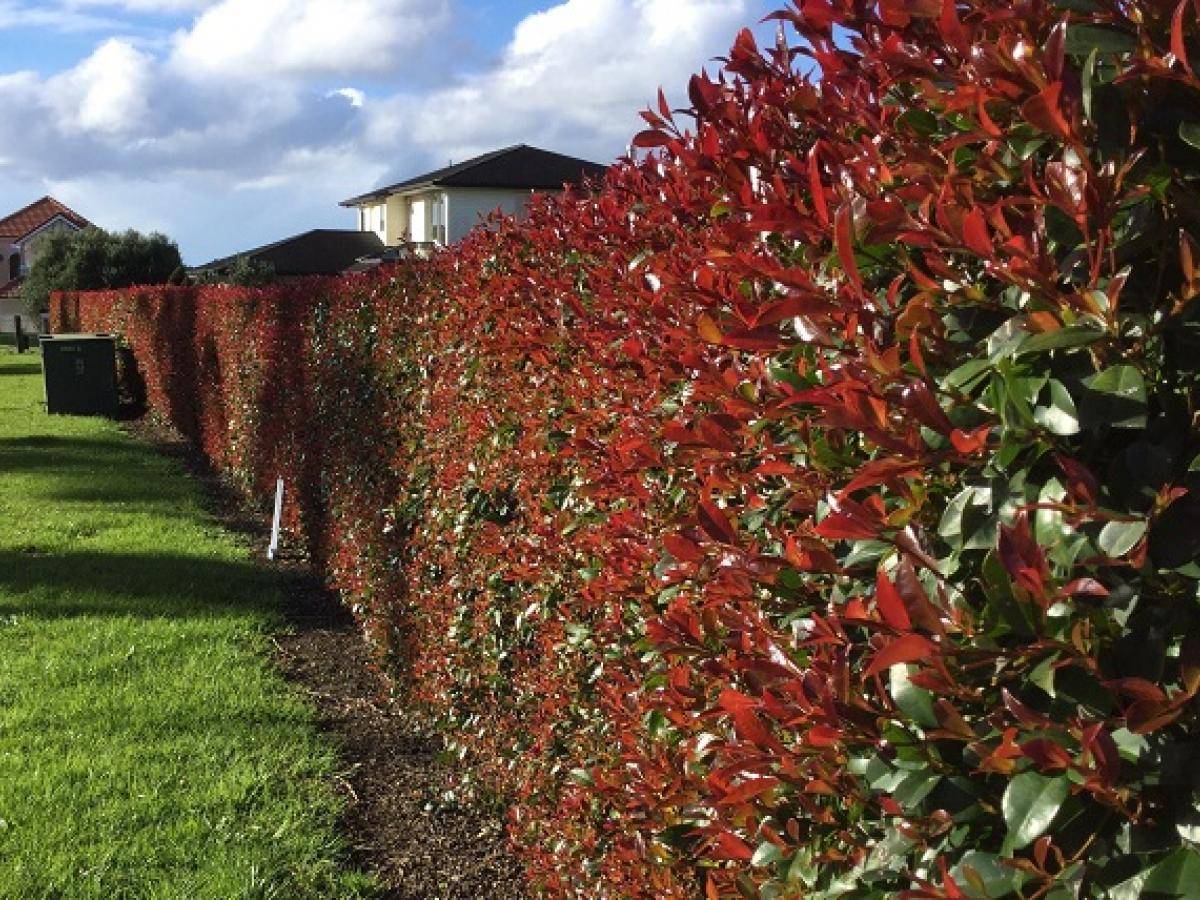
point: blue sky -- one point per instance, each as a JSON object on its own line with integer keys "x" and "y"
{"x": 231, "y": 123}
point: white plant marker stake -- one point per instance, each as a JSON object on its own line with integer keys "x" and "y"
{"x": 278, "y": 521}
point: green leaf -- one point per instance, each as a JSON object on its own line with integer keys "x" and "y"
{"x": 1043, "y": 675}
{"x": 767, "y": 854}
{"x": 1116, "y": 397}
{"x": 1085, "y": 39}
{"x": 915, "y": 788}
{"x": 1118, "y": 538}
{"x": 914, "y": 702}
{"x": 984, "y": 875}
{"x": 967, "y": 376}
{"x": 1175, "y": 876}
{"x": 1060, "y": 417}
{"x": 1064, "y": 339}
{"x": 997, "y": 587}
{"x": 1089, "y": 78}
{"x": 1190, "y": 133}
{"x": 1030, "y": 804}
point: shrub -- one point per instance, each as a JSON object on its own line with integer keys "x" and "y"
{"x": 812, "y": 510}
{"x": 94, "y": 259}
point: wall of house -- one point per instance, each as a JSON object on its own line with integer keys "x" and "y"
{"x": 397, "y": 221}
{"x": 374, "y": 218}
{"x": 442, "y": 215}
{"x": 468, "y": 206}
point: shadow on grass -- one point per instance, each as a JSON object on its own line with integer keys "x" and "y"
{"x": 140, "y": 585}
{"x": 89, "y": 470}
{"x": 21, "y": 369}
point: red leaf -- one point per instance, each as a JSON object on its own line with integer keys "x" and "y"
{"x": 735, "y": 701}
{"x": 816, "y": 187}
{"x": 1046, "y": 754}
{"x": 909, "y": 648}
{"x": 716, "y": 524}
{"x": 976, "y": 235}
{"x": 682, "y": 549}
{"x": 845, "y": 246}
{"x": 1043, "y": 111}
{"x": 891, "y": 604}
{"x": 1022, "y": 713}
{"x": 851, "y": 523}
{"x": 748, "y": 790}
{"x": 715, "y": 436}
{"x": 1086, "y": 587}
{"x": 822, "y": 736}
{"x": 1146, "y": 716}
{"x": 967, "y": 444}
{"x": 651, "y": 138}
{"x": 710, "y": 332}
{"x": 1103, "y": 748}
{"x": 1055, "y": 53}
{"x": 1178, "y": 47}
{"x": 731, "y": 847}
{"x": 750, "y": 727}
{"x": 1139, "y": 689}
{"x": 951, "y": 28}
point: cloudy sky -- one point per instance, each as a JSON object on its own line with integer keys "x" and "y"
{"x": 230, "y": 123}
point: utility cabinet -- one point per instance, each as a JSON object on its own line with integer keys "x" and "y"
{"x": 81, "y": 374}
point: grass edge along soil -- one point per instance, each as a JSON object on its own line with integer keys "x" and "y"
{"x": 148, "y": 745}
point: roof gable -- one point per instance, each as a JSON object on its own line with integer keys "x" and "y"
{"x": 517, "y": 168}
{"x": 37, "y": 215}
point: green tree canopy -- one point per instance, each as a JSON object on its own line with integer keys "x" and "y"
{"x": 245, "y": 271}
{"x": 95, "y": 259}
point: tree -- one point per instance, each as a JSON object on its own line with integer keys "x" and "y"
{"x": 95, "y": 259}
{"x": 244, "y": 271}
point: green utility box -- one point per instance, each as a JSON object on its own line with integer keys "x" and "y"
{"x": 81, "y": 374}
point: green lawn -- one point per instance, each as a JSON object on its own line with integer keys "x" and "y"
{"x": 147, "y": 747}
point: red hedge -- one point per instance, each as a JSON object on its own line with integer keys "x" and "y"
{"x": 813, "y": 510}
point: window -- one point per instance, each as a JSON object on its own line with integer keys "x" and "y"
{"x": 14, "y": 267}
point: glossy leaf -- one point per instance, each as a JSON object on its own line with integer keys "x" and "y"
{"x": 1030, "y": 805}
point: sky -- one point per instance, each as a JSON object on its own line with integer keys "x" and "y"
{"x": 227, "y": 124}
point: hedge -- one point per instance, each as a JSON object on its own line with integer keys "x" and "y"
{"x": 813, "y": 508}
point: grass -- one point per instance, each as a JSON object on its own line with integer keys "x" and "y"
{"x": 147, "y": 747}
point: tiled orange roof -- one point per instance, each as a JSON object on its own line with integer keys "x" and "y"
{"x": 28, "y": 220}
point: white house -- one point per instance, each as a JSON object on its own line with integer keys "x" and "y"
{"x": 441, "y": 207}
{"x": 21, "y": 237}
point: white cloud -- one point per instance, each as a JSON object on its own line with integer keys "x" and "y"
{"x": 255, "y": 121}
{"x": 255, "y": 38}
{"x": 108, "y": 92}
{"x": 356, "y": 98}
{"x": 572, "y": 78}
{"x": 14, "y": 14}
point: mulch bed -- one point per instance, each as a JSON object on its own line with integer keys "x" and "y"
{"x": 395, "y": 779}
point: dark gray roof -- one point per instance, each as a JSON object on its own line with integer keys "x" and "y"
{"x": 318, "y": 252}
{"x": 520, "y": 168}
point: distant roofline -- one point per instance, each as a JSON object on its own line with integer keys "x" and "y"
{"x": 65, "y": 212}
{"x": 438, "y": 177}
{"x": 234, "y": 257}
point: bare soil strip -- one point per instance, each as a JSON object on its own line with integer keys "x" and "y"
{"x": 395, "y": 779}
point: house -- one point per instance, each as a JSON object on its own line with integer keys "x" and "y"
{"x": 22, "y": 235}
{"x": 318, "y": 252}
{"x": 441, "y": 207}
